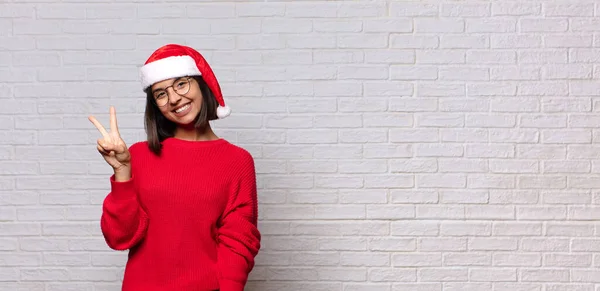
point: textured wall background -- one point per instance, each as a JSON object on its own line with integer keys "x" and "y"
{"x": 401, "y": 146}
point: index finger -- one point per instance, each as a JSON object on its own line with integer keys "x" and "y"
{"x": 99, "y": 126}
{"x": 113, "y": 120}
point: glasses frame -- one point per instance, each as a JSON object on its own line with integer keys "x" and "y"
{"x": 186, "y": 78}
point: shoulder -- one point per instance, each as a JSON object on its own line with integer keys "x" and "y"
{"x": 139, "y": 146}
{"x": 239, "y": 156}
{"x": 140, "y": 149}
{"x": 239, "y": 153}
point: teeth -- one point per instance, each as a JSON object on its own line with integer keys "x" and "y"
{"x": 182, "y": 108}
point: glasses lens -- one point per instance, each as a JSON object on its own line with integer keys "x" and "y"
{"x": 162, "y": 101}
{"x": 182, "y": 86}
{"x": 160, "y": 97}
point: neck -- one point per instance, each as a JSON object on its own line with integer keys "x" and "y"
{"x": 195, "y": 134}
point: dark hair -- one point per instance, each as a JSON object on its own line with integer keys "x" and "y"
{"x": 158, "y": 128}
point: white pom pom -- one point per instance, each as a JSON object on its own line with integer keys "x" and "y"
{"x": 223, "y": 111}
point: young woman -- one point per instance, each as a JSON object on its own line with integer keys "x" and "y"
{"x": 184, "y": 201}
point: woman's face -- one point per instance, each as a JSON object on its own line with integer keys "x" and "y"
{"x": 179, "y": 99}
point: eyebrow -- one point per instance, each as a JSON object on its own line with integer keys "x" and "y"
{"x": 158, "y": 89}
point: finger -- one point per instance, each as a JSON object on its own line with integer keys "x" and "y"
{"x": 102, "y": 151}
{"x": 119, "y": 148}
{"x": 99, "y": 126}
{"x": 113, "y": 120}
{"x": 105, "y": 145}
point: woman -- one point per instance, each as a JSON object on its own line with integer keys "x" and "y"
{"x": 184, "y": 201}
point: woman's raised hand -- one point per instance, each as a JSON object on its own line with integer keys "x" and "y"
{"x": 111, "y": 145}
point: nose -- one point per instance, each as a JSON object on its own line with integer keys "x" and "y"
{"x": 173, "y": 96}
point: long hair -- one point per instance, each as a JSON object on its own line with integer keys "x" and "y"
{"x": 158, "y": 127}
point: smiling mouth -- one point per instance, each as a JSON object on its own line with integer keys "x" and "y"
{"x": 182, "y": 108}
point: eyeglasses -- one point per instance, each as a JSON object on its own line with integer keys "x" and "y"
{"x": 181, "y": 86}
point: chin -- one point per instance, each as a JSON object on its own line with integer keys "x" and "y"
{"x": 185, "y": 121}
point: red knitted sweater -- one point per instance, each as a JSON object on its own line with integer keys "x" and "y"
{"x": 188, "y": 217}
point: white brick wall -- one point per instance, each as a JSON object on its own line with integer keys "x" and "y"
{"x": 400, "y": 145}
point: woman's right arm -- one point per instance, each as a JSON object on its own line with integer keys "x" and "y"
{"x": 124, "y": 221}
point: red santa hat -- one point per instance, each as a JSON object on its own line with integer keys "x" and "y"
{"x": 172, "y": 61}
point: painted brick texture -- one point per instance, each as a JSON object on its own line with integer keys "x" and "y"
{"x": 400, "y": 145}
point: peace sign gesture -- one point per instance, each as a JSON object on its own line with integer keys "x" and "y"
{"x": 111, "y": 145}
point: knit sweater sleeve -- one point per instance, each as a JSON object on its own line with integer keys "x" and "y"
{"x": 123, "y": 221}
{"x": 238, "y": 235}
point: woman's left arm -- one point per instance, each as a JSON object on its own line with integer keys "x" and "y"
{"x": 238, "y": 236}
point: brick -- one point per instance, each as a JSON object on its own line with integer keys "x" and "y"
{"x": 465, "y": 10}
{"x": 493, "y": 244}
{"x": 362, "y": 41}
{"x": 413, "y": 9}
{"x": 362, "y": 259}
{"x": 493, "y": 274}
{"x": 363, "y": 73}
{"x": 17, "y": 11}
{"x": 241, "y": 9}
{"x": 343, "y": 56}
{"x": 340, "y": 212}
{"x": 567, "y": 71}
{"x": 515, "y": 8}
{"x": 277, "y": 25}
{"x": 515, "y": 41}
{"x": 491, "y": 89}
{"x": 537, "y": 275}
{"x": 543, "y": 25}
{"x": 400, "y": 72}
{"x": 437, "y": 274}
{"x": 61, "y": 12}
{"x": 576, "y": 9}
{"x": 440, "y": 56}
{"x": 585, "y": 24}
{"x": 225, "y": 10}
{"x": 466, "y": 259}
{"x": 144, "y": 10}
{"x": 458, "y": 41}
{"x": 413, "y": 42}
{"x": 543, "y": 56}
{"x": 388, "y": 25}
{"x": 298, "y": 9}
{"x": 490, "y": 25}
{"x": 438, "y": 26}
